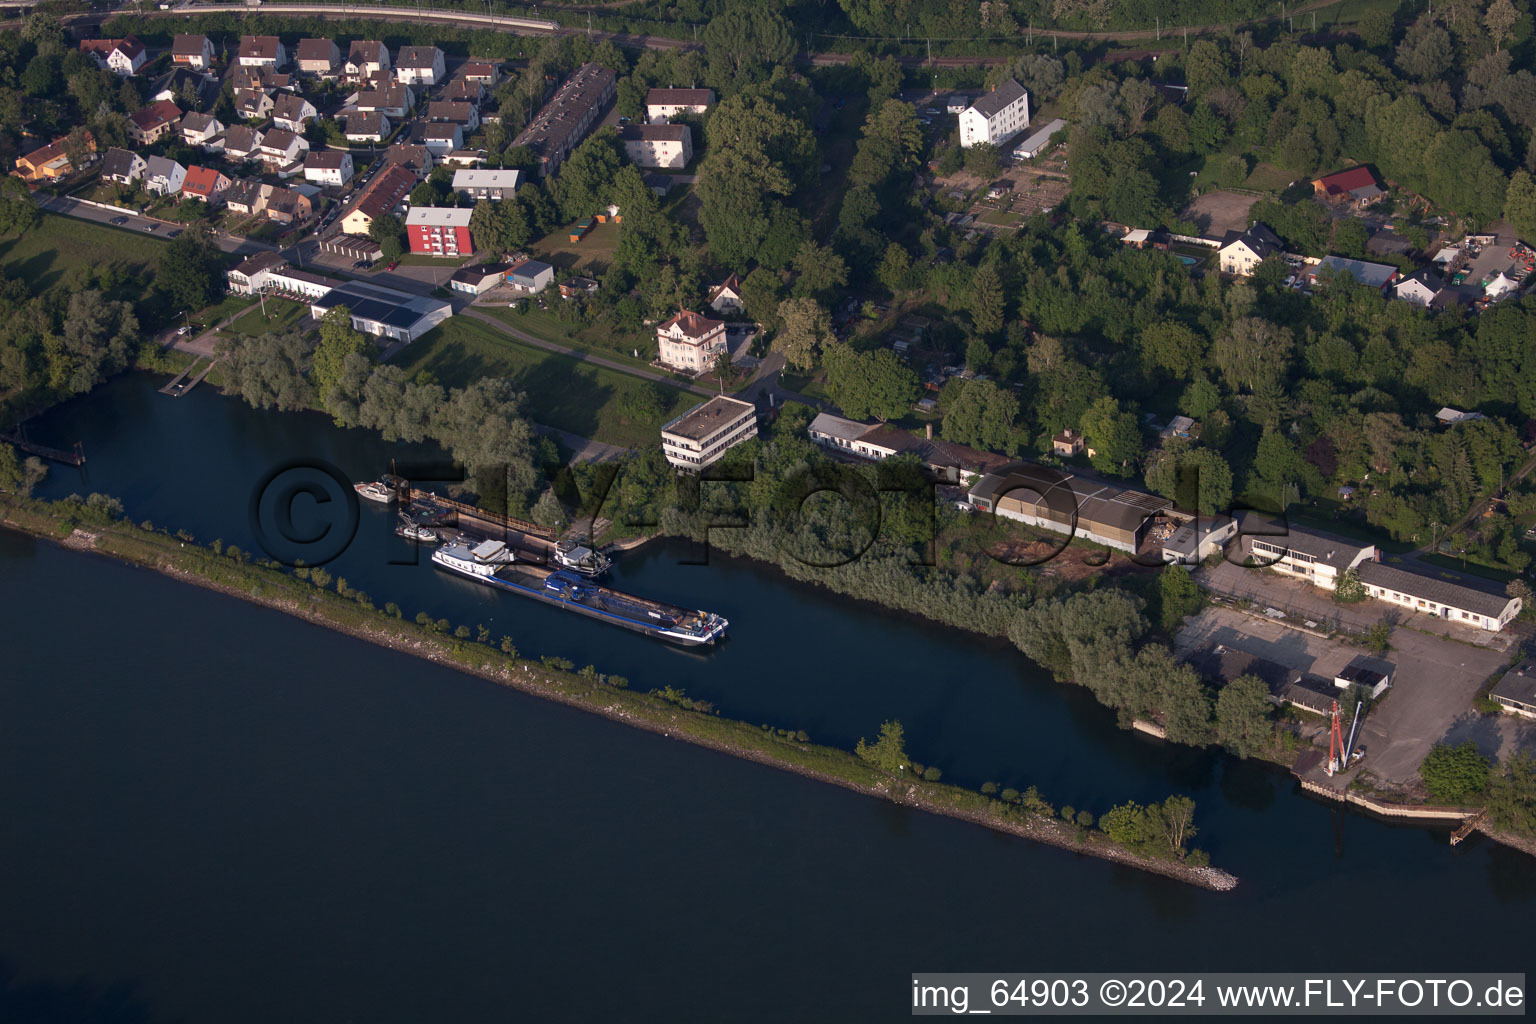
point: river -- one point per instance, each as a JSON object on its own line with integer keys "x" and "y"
{"x": 215, "y": 812}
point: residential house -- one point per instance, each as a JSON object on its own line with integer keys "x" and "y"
{"x": 995, "y": 116}
{"x": 318, "y": 57}
{"x": 464, "y": 158}
{"x": 192, "y": 51}
{"x": 242, "y": 142}
{"x": 254, "y": 104}
{"x": 262, "y": 52}
{"x": 701, "y": 435}
{"x": 1419, "y": 288}
{"x": 1241, "y": 252}
{"x": 163, "y": 176}
{"x": 565, "y": 120}
{"x": 461, "y": 113}
{"x": 576, "y": 287}
{"x": 416, "y": 159}
{"x": 366, "y": 58}
{"x": 253, "y": 274}
{"x": 690, "y": 342}
{"x": 484, "y": 73}
{"x": 661, "y": 105}
{"x": 262, "y": 78}
{"x": 1038, "y": 142}
{"x": 292, "y": 111}
{"x": 247, "y": 196}
{"x": 439, "y": 230}
{"x": 394, "y": 100}
{"x": 288, "y": 206}
{"x": 281, "y": 149}
{"x": 487, "y": 184}
{"x": 186, "y": 88}
{"x": 1355, "y": 185}
{"x": 462, "y": 90}
{"x": 530, "y": 276}
{"x": 50, "y": 162}
{"x": 725, "y": 297}
{"x": 1067, "y": 443}
{"x": 121, "y": 56}
{"x": 655, "y": 146}
{"x": 439, "y": 138}
{"x": 478, "y": 279}
{"x": 371, "y": 126}
{"x": 952, "y": 463}
{"x": 122, "y": 166}
{"x": 1374, "y": 275}
{"x": 419, "y": 65}
{"x": 383, "y": 195}
{"x": 331, "y": 167}
{"x": 153, "y": 122}
{"x": 206, "y": 185}
{"x": 199, "y": 129}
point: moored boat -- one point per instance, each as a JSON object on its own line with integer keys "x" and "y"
{"x": 580, "y": 559}
{"x": 374, "y": 490}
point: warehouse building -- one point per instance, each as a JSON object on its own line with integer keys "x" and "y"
{"x": 1076, "y": 505}
{"x": 384, "y": 312}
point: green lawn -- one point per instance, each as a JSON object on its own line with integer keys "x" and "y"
{"x": 592, "y": 254}
{"x": 59, "y": 249}
{"x": 600, "y": 340}
{"x": 1471, "y": 568}
{"x": 1268, "y": 178}
{"x": 562, "y": 391}
{"x": 421, "y": 259}
{"x": 282, "y": 314}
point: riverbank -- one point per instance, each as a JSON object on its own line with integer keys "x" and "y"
{"x": 668, "y": 713}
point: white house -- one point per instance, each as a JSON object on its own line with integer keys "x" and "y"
{"x": 486, "y": 184}
{"x": 461, "y": 112}
{"x": 163, "y": 176}
{"x": 318, "y": 57}
{"x": 531, "y": 276}
{"x": 292, "y": 111}
{"x": 242, "y": 142}
{"x": 328, "y": 167}
{"x": 281, "y": 148}
{"x": 439, "y": 138}
{"x": 655, "y": 146}
{"x": 371, "y": 126}
{"x": 725, "y": 297}
{"x": 419, "y": 65}
{"x": 1419, "y": 288}
{"x": 995, "y": 116}
{"x": 478, "y": 279}
{"x": 193, "y": 51}
{"x": 661, "y": 105}
{"x": 122, "y": 166}
{"x": 365, "y": 58}
{"x": 262, "y": 52}
{"x": 199, "y": 129}
{"x": 1241, "y": 252}
{"x": 701, "y": 435}
{"x": 127, "y": 57}
{"x": 394, "y": 100}
{"x": 253, "y": 104}
{"x": 690, "y": 342}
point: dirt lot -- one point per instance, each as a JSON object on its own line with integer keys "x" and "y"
{"x": 1220, "y": 211}
{"x": 1429, "y": 701}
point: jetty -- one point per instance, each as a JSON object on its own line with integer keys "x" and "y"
{"x": 527, "y": 538}
{"x": 181, "y": 385}
{"x": 76, "y": 457}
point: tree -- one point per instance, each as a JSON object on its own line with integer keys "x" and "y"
{"x": 758, "y": 156}
{"x": 890, "y": 145}
{"x": 337, "y": 341}
{"x": 1500, "y": 19}
{"x": 1174, "y": 822}
{"x": 1512, "y": 795}
{"x": 499, "y": 227}
{"x": 547, "y": 511}
{"x": 388, "y": 230}
{"x": 1379, "y": 637}
{"x": 10, "y": 469}
{"x": 483, "y": 426}
{"x": 1454, "y": 775}
{"x": 581, "y": 188}
{"x": 269, "y": 371}
{"x": 821, "y": 271}
{"x": 191, "y": 269}
{"x": 987, "y": 300}
{"x": 1520, "y": 204}
{"x": 1178, "y": 596}
{"x": 97, "y": 341}
{"x": 983, "y": 160}
{"x": 1195, "y": 479}
{"x": 1349, "y": 589}
{"x": 17, "y": 210}
{"x": 869, "y": 383}
{"x": 980, "y": 414}
{"x": 1242, "y": 716}
{"x": 887, "y": 754}
{"x": 896, "y": 267}
{"x": 741, "y": 41}
{"x": 806, "y": 329}
{"x": 1173, "y": 347}
{"x": 1252, "y": 351}
{"x": 1114, "y": 436}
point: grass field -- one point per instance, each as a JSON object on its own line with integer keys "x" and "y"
{"x": 282, "y": 315}
{"x": 592, "y": 254}
{"x": 62, "y": 249}
{"x": 562, "y": 391}
{"x": 600, "y": 340}
{"x": 1471, "y": 568}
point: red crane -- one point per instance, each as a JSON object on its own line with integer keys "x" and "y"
{"x": 1338, "y": 754}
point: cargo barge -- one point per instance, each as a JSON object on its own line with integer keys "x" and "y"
{"x": 495, "y": 564}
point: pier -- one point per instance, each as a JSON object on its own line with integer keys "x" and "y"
{"x": 526, "y": 538}
{"x": 69, "y": 458}
{"x": 181, "y": 385}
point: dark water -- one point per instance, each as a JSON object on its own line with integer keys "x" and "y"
{"x": 213, "y": 812}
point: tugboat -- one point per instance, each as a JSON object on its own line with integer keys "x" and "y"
{"x": 375, "y": 490}
{"x": 580, "y": 559}
{"x": 412, "y": 530}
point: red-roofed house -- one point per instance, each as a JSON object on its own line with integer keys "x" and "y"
{"x": 123, "y": 56}
{"x": 690, "y": 342}
{"x": 206, "y": 184}
{"x": 1357, "y": 184}
{"x": 152, "y": 122}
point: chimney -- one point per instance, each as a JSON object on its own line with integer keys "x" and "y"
{"x": 930, "y": 431}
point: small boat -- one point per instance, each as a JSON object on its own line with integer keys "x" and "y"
{"x": 374, "y": 490}
{"x": 417, "y": 532}
{"x": 580, "y": 559}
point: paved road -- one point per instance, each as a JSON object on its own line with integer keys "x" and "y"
{"x": 583, "y": 449}
{"x": 137, "y": 222}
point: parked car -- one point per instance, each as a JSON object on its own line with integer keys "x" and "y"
{"x": 392, "y": 265}
{"x": 119, "y": 220}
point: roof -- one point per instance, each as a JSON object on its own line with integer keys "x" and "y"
{"x": 242, "y": 138}
{"x": 1064, "y": 496}
{"x": 386, "y": 192}
{"x": 1374, "y": 274}
{"x": 478, "y": 69}
{"x": 471, "y": 177}
{"x": 1223, "y": 664}
{"x": 294, "y": 274}
{"x": 392, "y": 95}
{"x": 1518, "y": 684}
{"x": 1428, "y": 278}
{"x": 1459, "y": 595}
{"x": 279, "y": 139}
{"x": 1338, "y": 552}
{"x": 264, "y": 47}
{"x": 1341, "y": 182}
{"x": 286, "y": 200}
{"x": 836, "y": 426}
{"x": 195, "y": 122}
{"x": 439, "y": 216}
{"x": 365, "y": 122}
{"x": 1360, "y": 674}
{"x": 479, "y": 272}
{"x": 990, "y": 103}
{"x": 731, "y": 284}
{"x": 326, "y": 159}
{"x": 417, "y": 56}
{"x": 1259, "y": 239}
{"x": 258, "y": 263}
{"x": 408, "y": 156}
{"x": 129, "y": 47}
{"x": 693, "y": 325}
{"x": 365, "y": 51}
{"x": 450, "y": 110}
{"x": 245, "y": 192}
{"x": 529, "y": 270}
{"x": 679, "y": 97}
{"x": 161, "y": 167}
{"x": 383, "y": 305}
{"x": 437, "y": 131}
{"x": 155, "y": 115}
{"x": 708, "y": 417}
{"x": 118, "y": 163}
{"x": 290, "y": 106}
{"x": 188, "y": 45}
{"x": 654, "y": 132}
{"x": 560, "y": 118}
{"x": 315, "y": 49}
{"x": 201, "y": 180}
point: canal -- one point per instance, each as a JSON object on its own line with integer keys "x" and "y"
{"x": 216, "y": 812}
